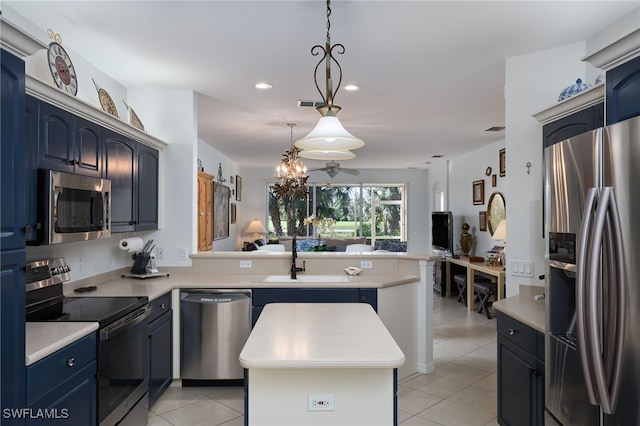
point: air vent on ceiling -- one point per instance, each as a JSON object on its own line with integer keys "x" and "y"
{"x": 437, "y": 156}
{"x": 312, "y": 104}
{"x": 495, "y": 129}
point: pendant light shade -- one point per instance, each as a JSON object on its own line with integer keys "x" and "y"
{"x": 329, "y": 135}
{"x": 326, "y": 155}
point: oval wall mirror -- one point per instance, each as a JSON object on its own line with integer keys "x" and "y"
{"x": 496, "y": 211}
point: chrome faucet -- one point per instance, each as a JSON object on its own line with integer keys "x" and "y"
{"x": 294, "y": 255}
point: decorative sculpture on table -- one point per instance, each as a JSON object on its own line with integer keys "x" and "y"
{"x": 466, "y": 239}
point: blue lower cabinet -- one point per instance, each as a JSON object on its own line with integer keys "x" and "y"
{"x": 160, "y": 356}
{"x": 263, "y": 296}
{"x": 61, "y": 388}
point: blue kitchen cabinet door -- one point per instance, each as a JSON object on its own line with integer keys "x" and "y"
{"x": 263, "y": 296}
{"x": 121, "y": 168}
{"x": 147, "y": 188}
{"x": 12, "y": 329}
{"x": 61, "y": 388}
{"x": 160, "y": 355}
{"x": 577, "y": 123}
{"x": 55, "y": 138}
{"x": 12, "y": 233}
{"x": 73, "y": 402}
{"x": 12, "y": 184}
{"x": 68, "y": 143}
{"x": 623, "y": 91}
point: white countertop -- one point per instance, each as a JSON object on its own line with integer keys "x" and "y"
{"x": 44, "y": 338}
{"x": 524, "y": 308}
{"x": 320, "y": 335}
{"x": 157, "y": 286}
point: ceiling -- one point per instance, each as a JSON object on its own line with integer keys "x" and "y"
{"x": 431, "y": 72}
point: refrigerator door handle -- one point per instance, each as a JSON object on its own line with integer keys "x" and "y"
{"x": 616, "y": 326}
{"x": 584, "y": 242}
{"x": 607, "y": 381}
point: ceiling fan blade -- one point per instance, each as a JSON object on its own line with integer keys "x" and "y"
{"x": 353, "y": 172}
{"x": 322, "y": 169}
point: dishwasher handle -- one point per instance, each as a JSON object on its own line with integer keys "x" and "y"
{"x": 205, "y": 298}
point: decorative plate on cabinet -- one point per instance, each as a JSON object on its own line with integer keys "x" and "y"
{"x": 133, "y": 118}
{"x": 106, "y": 102}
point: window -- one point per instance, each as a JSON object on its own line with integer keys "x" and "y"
{"x": 377, "y": 212}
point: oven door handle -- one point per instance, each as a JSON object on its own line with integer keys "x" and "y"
{"x": 125, "y": 323}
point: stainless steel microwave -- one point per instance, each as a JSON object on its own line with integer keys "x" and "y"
{"x": 73, "y": 207}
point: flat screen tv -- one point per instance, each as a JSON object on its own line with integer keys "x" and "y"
{"x": 441, "y": 231}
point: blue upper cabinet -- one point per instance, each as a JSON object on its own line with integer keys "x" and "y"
{"x": 12, "y": 217}
{"x": 121, "y": 169}
{"x": 579, "y": 122}
{"x": 623, "y": 91}
{"x": 12, "y": 233}
{"x": 68, "y": 143}
{"x": 147, "y": 197}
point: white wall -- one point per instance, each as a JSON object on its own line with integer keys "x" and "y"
{"x": 533, "y": 83}
{"x": 465, "y": 170}
{"x": 418, "y": 197}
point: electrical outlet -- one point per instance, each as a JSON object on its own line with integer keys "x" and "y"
{"x": 160, "y": 253}
{"x": 320, "y": 403}
{"x": 183, "y": 253}
{"x": 366, "y": 264}
{"x": 245, "y": 264}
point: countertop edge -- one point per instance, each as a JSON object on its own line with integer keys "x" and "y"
{"x": 524, "y": 308}
{"x": 43, "y": 339}
{"x": 313, "y": 365}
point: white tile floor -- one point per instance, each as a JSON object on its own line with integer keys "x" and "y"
{"x": 461, "y": 392}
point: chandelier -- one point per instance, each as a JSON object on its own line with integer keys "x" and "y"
{"x": 291, "y": 174}
{"x": 329, "y": 139}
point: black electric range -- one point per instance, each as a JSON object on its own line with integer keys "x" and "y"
{"x": 46, "y": 300}
{"x": 122, "y": 352}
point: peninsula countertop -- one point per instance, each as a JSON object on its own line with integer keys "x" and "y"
{"x": 524, "y": 308}
{"x": 320, "y": 335}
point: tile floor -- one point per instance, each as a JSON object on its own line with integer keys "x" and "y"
{"x": 461, "y": 392}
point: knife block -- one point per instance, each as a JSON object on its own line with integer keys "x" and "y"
{"x": 140, "y": 263}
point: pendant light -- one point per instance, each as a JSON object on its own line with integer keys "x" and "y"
{"x": 329, "y": 135}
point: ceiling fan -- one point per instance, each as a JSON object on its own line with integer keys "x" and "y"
{"x": 332, "y": 168}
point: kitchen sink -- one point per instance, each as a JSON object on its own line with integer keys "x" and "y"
{"x": 306, "y": 279}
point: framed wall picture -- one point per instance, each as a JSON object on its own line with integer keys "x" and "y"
{"x": 482, "y": 220}
{"x": 502, "y": 160}
{"x": 220, "y": 211}
{"x": 494, "y": 180}
{"x": 478, "y": 192}
{"x": 233, "y": 213}
{"x": 238, "y": 188}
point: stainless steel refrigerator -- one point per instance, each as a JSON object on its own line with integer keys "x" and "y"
{"x": 592, "y": 225}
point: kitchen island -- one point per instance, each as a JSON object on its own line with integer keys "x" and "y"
{"x": 321, "y": 364}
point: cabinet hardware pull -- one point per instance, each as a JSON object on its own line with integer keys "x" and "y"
{"x": 512, "y": 331}
{"x": 163, "y": 306}
{"x": 71, "y": 362}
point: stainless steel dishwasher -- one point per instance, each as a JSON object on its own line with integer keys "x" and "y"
{"x": 214, "y": 326}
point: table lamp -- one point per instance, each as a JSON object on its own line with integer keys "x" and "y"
{"x": 500, "y": 234}
{"x": 256, "y": 229}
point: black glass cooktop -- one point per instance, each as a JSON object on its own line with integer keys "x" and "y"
{"x": 103, "y": 310}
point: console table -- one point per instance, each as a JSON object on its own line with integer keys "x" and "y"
{"x": 472, "y": 268}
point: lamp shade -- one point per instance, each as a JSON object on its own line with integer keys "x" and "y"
{"x": 255, "y": 227}
{"x": 328, "y": 155}
{"x": 500, "y": 233}
{"x": 329, "y": 135}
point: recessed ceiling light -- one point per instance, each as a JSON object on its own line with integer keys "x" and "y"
{"x": 352, "y": 87}
{"x": 263, "y": 86}
{"x": 494, "y": 129}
